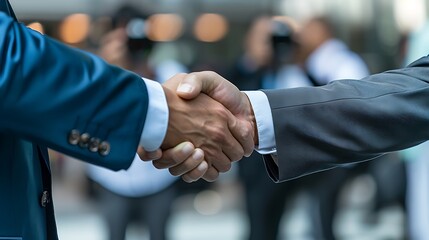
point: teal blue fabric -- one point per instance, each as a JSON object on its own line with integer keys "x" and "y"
{"x": 46, "y": 90}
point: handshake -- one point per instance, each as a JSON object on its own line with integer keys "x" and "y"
{"x": 211, "y": 124}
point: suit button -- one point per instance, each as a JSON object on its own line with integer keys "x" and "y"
{"x": 74, "y": 137}
{"x": 104, "y": 148}
{"x": 44, "y": 200}
{"x": 93, "y": 144}
{"x": 84, "y": 140}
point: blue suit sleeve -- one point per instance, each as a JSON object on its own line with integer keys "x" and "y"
{"x": 47, "y": 89}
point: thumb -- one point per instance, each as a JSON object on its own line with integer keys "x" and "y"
{"x": 200, "y": 82}
{"x": 149, "y": 156}
{"x": 214, "y": 85}
{"x": 189, "y": 87}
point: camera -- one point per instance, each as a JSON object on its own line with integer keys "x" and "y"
{"x": 135, "y": 24}
{"x": 282, "y": 41}
{"x": 136, "y": 30}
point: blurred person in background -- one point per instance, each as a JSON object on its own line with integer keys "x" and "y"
{"x": 72, "y": 101}
{"x": 322, "y": 58}
{"x": 280, "y": 54}
{"x": 141, "y": 192}
{"x": 264, "y": 200}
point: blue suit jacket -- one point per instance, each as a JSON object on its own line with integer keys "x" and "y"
{"x": 47, "y": 90}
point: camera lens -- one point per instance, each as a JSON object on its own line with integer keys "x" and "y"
{"x": 136, "y": 28}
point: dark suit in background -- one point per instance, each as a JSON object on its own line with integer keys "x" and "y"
{"x": 265, "y": 200}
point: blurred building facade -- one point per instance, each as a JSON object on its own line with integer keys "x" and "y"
{"x": 373, "y": 28}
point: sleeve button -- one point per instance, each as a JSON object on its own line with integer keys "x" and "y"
{"x": 94, "y": 144}
{"x": 84, "y": 140}
{"x": 104, "y": 148}
{"x": 74, "y": 137}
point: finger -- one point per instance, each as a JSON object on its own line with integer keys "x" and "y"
{"x": 149, "y": 156}
{"x": 211, "y": 175}
{"x": 230, "y": 145}
{"x": 219, "y": 161}
{"x": 190, "y": 87}
{"x": 197, "y": 173}
{"x": 195, "y": 83}
{"x": 189, "y": 164}
{"x": 213, "y": 85}
{"x": 175, "y": 156}
{"x": 243, "y": 133}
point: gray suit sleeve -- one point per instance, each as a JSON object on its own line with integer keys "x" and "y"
{"x": 347, "y": 121}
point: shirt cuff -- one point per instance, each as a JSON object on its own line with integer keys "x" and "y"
{"x": 156, "y": 123}
{"x": 264, "y": 122}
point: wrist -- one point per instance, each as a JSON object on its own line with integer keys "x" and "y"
{"x": 169, "y": 140}
{"x": 156, "y": 122}
{"x": 261, "y": 114}
{"x": 252, "y": 120}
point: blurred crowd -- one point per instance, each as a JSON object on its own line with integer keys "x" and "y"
{"x": 273, "y": 52}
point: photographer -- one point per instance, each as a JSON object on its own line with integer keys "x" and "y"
{"x": 278, "y": 54}
{"x": 142, "y": 193}
{"x": 261, "y": 58}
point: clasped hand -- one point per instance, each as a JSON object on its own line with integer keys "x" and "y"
{"x": 211, "y": 125}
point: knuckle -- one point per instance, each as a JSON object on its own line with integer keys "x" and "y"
{"x": 177, "y": 158}
{"x": 238, "y": 155}
{"x": 222, "y": 111}
{"x": 218, "y": 134}
{"x": 211, "y": 174}
{"x": 157, "y": 165}
{"x": 227, "y": 167}
{"x": 223, "y": 167}
{"x": 218, "y": 137}
{"x": 194, "y": 175}
{"x": 188, "y": 178}
{"x": 246, "y": 133}
{"x": 173, "y": 171}
{"x": 185, "y": 167}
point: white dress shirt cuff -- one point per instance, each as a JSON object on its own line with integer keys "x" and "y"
{"x": 264, "y": 122}
{"x": 156, "y": 123}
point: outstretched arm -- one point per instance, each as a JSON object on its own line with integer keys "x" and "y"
{"x": 318, "y": 128}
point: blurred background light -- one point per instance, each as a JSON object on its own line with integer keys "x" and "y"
{"x": 36, "y": 26}
{"x": 409, "y": 14}
{"x": 165, "y": 27}
{"x": 75, "y": 28}
{"x": 208, "y": 202}
{"x": 210, "y": 27}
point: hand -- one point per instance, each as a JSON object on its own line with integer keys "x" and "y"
{"x": 228, "y": 95}
{"x": 209, "y": 125}
{"x": 187, "y": 161}
{"x": 181, "y": 161}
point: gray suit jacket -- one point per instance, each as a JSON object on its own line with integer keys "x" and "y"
{"x": 318, "y": 128}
